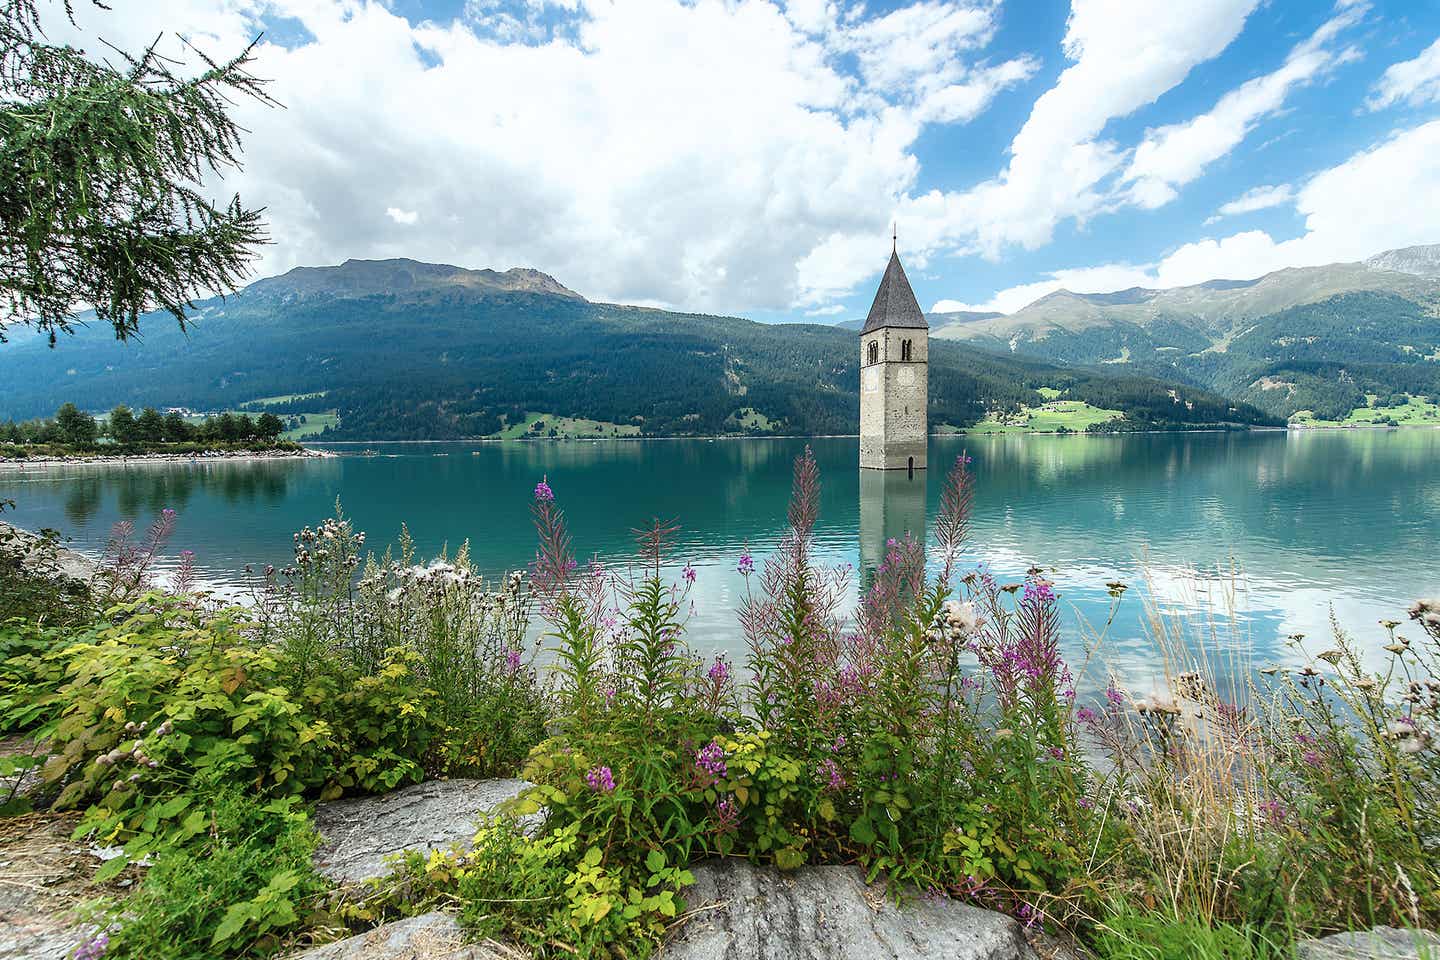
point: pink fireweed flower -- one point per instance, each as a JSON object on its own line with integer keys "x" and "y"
{"x": 719, "y": 672}
{"x": 600, "y": 780}
{"x": 512, "y": 661}
{"x": 1274, "y": 812}
{"x": 543, "y": 493}
{"x": 689, "y": 574}
{"x": 746, "y": 565}
{"x": 829, "y": 775}
{"x": 727, "y": 815}
{"x": 1039, "y": 591}
{"x": 711, "y": 760}
{"x": 1086, "y": 715}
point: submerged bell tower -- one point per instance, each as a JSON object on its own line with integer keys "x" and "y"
{"x": 894, "y": 376}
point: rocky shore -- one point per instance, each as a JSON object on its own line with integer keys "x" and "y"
{"x": 44, "y": 559}
{"x": 206, "y": 456}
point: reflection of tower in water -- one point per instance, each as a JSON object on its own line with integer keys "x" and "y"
{"x": 892, "y": 504}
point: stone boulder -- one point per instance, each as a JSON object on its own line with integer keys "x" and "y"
{"x": 1381, "y": 943}
{"x": 430, "y": 936}
{"x": 358, "y": 834}
{"x": 744, "y": 912}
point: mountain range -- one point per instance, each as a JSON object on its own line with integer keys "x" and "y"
{"x": 397, "y": 349}
{"x": 1309, "y": 341}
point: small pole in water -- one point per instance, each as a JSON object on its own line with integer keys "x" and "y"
{"x": 911, "y": 469}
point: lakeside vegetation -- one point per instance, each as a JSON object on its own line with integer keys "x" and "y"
{"x": 1054, "y": 415}
{"x": 1398, "y": 410}
{"x": 74, "y": 433}
{"x": 936, "y": 738}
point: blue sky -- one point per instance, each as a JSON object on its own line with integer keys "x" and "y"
{"x": 748, "y": 157}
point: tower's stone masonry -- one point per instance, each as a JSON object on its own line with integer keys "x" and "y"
{"x": 894, "y": 377}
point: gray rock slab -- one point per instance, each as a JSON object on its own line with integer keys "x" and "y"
{"x": 359, "y": 833}
{"x": 744, "y": 912}
{"x": 430, "y": 936}
{"x": 1381, "y": 943}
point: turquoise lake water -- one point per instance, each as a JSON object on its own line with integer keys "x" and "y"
{"x": 1281, "y": 527}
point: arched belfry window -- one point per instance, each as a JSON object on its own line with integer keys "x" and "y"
{"x": 905, "y": 350}
{"x": 874, "y": 351}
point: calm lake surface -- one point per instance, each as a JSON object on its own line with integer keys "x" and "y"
{"x": 1283, "y": 528}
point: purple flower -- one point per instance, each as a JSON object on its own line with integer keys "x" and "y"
{"x": 512, "y": 661}
{"x": 1085, "y": 803}
{"x": 1116, "y": 698}
{"x": 719, "y": 672}
{"x": 543, "y": 493}
{"x": 1086, "y": 715}
{"x": 727, "y": 815}
{"x": 1274, "y": 811}
{"x": 1311, "y": 757}
{"x": 1039, "y": 591}
{"x": 600, "y": 780}
{"x": 711, "y": 760}
{"x": 747, "y": 564}
{"x": 689, "y": 574}
{"x": 829, "y": 773}
{"x": 93, "y": 949}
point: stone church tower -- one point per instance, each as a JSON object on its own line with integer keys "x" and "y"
{"x": 894, "y": 377}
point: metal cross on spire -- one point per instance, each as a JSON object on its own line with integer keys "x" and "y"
{"x": 894, "y": 237}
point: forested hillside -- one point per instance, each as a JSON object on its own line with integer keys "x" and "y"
{"x": 442, "y": 361}
{"x": 1326, "y": 340}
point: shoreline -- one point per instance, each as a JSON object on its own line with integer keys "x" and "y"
{"x": 1289, "y": 428}
{"x": 209, "y": 456}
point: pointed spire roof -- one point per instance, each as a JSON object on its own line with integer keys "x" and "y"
{"x": 895, "y": 304}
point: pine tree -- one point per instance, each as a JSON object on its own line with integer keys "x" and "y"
{"x": 74, "y": 426}
{"x": 150, "y": 426}
{"x": 122, "y": 425}
{"x": 269, "y": 426}
{"x": 100, "y": 173}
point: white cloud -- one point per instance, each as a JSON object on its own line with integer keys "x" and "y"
{"x": 1256, "y": 198}
{"x": 829, "y": 311}
{"x": 1174, "y": 155}
{"x": 1124, "y": 54}
{"x": 1385, "y": 197}
{"x": 1417, "y": 82}
{"x": 1381, "y": 198}
{"x": 695, "y": 153}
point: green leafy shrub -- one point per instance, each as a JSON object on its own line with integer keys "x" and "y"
{"x": 236, "y": 889}
{"x": 170, "y": 695}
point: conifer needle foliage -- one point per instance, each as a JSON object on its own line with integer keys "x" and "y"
{"x": 102, "y": 167}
